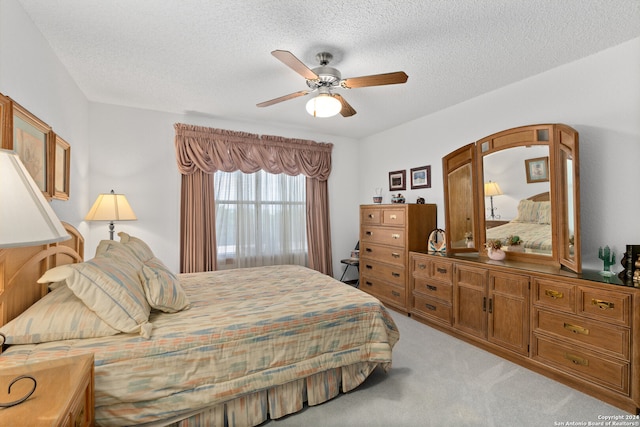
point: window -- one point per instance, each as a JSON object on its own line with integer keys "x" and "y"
{"x": 260, "y": 219}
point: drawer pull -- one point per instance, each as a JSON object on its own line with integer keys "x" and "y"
{"x": 395, "y": 236}
{"x": 602, "y": 305}
{"x": 422, "y": 266}
{"x": 395, "y": 274}
{"x": 368, "y": 267}
{"x": 441, "y": 270}
{"x": 371, "y": 216}
{"x": 430, "y": 307}
{"x": 432, "y": 288}
{"x": 393, "y": 216}
{"x": 368, "y": 283}
{"x": 395, "y": 254}
{"x": 576, "y": 329}
{"x": 369, "y": 233}
{"x": 369, "y": 250}
{"x": 395, "y": 293}
{"x": 576, "y": 360}
{"x": 553, "y": 294}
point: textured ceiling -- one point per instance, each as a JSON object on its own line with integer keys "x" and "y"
{"x": 213, "y": 57}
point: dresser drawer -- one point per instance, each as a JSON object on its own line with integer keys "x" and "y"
{"x": 606, "y": 305}
{"x": 441, "y": 270}
{"x": 432, "y": 308}
{"x": 386, "y": 254}
{"x": 393, "y": 217}
{"x": 384, "y": 235}
{"x": 387, "y": 292}
{"x": 390, "y": 273}
{"x": 609, "y": 373}
{"x": 602, "y": 337}
{"x": 370, "y": 215}
{"x": 429, "y": 288}
{"x": 557, "y": 295}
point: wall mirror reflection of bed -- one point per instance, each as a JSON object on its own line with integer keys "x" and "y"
{"x": 537, "y": 169}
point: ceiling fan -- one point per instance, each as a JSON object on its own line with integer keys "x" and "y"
{"x": 324, "y": 80}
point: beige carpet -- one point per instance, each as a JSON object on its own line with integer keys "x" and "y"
{"x": 437, "y": 380}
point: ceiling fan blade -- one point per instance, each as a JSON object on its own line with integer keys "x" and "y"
{"x": 347, "y": 110}
{"x": 295, "y": 64}
{"x": 283, "y": 98}
{"x": 376, "y": 80}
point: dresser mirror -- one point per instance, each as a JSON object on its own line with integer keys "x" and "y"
{"x": 534, "y": 208}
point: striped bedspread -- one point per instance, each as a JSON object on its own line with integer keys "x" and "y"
{"x": 536, "y": 237}
{"x": 247, "y": 330}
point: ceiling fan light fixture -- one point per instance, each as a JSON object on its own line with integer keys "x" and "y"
{"x": 323, "y": 105}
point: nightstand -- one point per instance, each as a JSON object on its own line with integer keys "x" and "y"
{"x": 63, "y": 397}
{"x": 490, "y": 223}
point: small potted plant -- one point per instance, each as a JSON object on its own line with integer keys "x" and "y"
{"x": 468, "y": 239}
{"x": 494, "y": 249}
{"x": 515, "y": 244}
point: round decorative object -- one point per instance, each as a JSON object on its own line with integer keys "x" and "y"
{"x": 437, "y": 241}
{"x": 496, "y": 254}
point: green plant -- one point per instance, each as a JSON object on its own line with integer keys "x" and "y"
{"x": 494, "y": 244}
{"x": 514, "y": 240}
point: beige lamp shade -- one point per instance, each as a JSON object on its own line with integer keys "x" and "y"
{"x": 26, "y": 218}
{"x": 492, "y": 189}
{"x": 111, "y": 207}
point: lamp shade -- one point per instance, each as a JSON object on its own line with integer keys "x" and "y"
{"x": 492, "y": 189}
{"x": 26, "y": 218}
{"x": 323, "y": 105}
{"x": 111, "y": 207}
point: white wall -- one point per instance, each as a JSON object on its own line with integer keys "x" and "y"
{"x": 599, "y": 96}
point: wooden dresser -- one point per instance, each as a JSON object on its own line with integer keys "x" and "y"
{"x": 387, "y": 234}
{"x": 575, "y": 328}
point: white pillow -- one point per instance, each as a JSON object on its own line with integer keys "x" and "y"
{"x": 59, "y": 315}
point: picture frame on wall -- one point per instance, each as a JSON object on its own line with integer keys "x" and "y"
{"x": 32, "y": 143}
{"x": 61, "y": 168}
{"x": 421, "y": 177}
{"x": 537, "y": 169}
{"x": 6, "y": 125}
{"x": 397, "y": 180}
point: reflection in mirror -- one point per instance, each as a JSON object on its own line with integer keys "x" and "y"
{"x": 460, "y": 188}
{"x": 521, "y": 217}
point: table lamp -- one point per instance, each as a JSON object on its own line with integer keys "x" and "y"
{"x": 111, "y": 207}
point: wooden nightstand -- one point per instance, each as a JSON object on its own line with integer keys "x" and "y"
{"x": 63, "y": 397}
{"x": 490, "y": 223}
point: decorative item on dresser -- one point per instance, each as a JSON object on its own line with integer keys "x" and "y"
{"x": 387, "y": 234}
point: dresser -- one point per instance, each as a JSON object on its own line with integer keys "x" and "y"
{"x": 64, "y": 395}
{"x": 387, "y": 234}
{"x": 580, "y": 329}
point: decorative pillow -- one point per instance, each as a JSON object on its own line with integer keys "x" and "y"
{"x": 122, "y": 253}
{"x": 544, "y": 213}
{"x": 112, "y": 289}
{"x": 56, "y": 276}
{"x": 59, "y": 315}
{"x": 162, "y": 288}
{"x": 527, "y": 211}
{"x": 137, "y": 246}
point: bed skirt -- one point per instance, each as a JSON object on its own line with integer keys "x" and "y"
{"x": 285, "y": 399}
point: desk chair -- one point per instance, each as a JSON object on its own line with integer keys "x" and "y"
{"x": 351, "y": 262}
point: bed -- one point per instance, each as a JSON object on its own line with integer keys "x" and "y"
{"x": 233, "y": 347}
{"x": 532, "y": 225}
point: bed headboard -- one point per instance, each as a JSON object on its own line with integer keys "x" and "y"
{"x": 542, "y": 197}
{"x": 20, "y": 268}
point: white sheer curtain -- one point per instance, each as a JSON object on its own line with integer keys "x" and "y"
{"x": 260, "y": 219}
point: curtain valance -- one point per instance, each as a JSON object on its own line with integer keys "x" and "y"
{"x": 209, "y": 150}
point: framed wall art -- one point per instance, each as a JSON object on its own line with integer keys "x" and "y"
{"x": 537, "y": 169}
{"x": 61, "y": 168}
{"x": 397, "y": 180}
{"x": 32, "y": 139}
{"x": 5, "y": 121}
{"x": 421, "y": 177}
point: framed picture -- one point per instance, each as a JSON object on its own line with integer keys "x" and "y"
{"x": 537, "y": 169}
{"x": 32, "y": 142}
{"x": 421, "y": 177}
{"x": 5, "y": 121}
{"x": 397, "y": 180}
{"x": 61, "y": 168}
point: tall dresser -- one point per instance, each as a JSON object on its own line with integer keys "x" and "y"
{"x": 387, "y": 234}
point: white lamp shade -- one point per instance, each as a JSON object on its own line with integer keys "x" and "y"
{"x": 323, "y": 105}
{"x": 26, "y": 218}
{"x": 492, "y": 189}
{"x": 111, "y": 207}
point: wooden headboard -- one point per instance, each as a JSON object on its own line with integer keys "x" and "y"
{"x": 542, "y": 197}
{"x": 20, "y": 268}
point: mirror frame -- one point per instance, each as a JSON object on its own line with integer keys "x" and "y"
{"x": 562, "y": 141}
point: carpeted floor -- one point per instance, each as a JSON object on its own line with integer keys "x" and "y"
{"x": 438, "y": 380}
